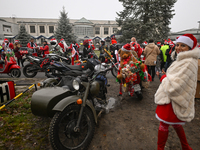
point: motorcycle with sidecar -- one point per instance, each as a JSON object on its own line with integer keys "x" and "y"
{"x": 74, "y": 110}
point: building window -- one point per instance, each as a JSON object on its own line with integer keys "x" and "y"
{"x": 114, "y": 30}
{"x": 7, "y": 28}
{"x": 42, "y": 29}
{"x": 82, "y": 30}
{"x": 105, "y": 30}
{"x": 97, "y": 30}
{"x": 32, "y": 29}
{"x": 51, "y": 29}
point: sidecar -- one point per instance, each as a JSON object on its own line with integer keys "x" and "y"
{"x": 45, "y": 99}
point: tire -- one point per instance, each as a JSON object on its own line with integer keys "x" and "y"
{"x": 139, "y": 95}
{"x": 15, "y": 73}
{"x": 61, "y": 133}
{"x": 25, "y": 71}
{"x": 67, "y": 61}
{"x": 114, "y": 72}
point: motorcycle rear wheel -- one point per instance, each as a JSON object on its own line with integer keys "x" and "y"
{"x": 15, "y": 73}
{"x": 67, "y": 61}
{"x": 61, "y": 130}
{"x": 29, "y": 74}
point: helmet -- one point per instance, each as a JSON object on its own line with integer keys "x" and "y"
{"x": 86, "y": 42}
{"x": 53, "y": 42}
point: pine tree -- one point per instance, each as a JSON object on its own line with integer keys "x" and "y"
{"x": 64, "y": 29}
{"x": 23, "y": 36}
{"x": 145, "y": 19}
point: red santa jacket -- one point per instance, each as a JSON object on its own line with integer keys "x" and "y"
{"x": 137, "y": 49}
{"x": 62, "y": 46}
{"x": 92, "y": 47}
{"x": 10, "y": 45}
{"x": 71, "y": 46}
{"x": 29, "y": 46}
{"x": 45, "y": 50}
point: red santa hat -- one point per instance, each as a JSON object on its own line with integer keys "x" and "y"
{"x": 165, "y": 42}
{"x": 127, "y": 48}
{"x": 16, "y": 41}
{"x": 61, "y": 40}
{"x": 158, "y": 43}
{"x": 171, "y": 43}
{"x": 187, "y": 39}
{"x": 53, "y": 40}
{"x": 90, "y": 40}
{"x": 113, "y": 41}
{"x": 6, "y": 40}
{"x": 144, "y": 43}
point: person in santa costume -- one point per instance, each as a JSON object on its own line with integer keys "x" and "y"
{"x": 91, "y": 44}
{"x": 6, "y": 44}
{"x": 44, "y": 49}
{"x": 33, "y": 46}
{"x": 136, "y": 46}
{"x": 56, "y": 47}
{"x": 175, "y": 95}
{"x": 114, "y": 49}
{"x": 74, "y": 47}
{"x": 63, "y": 45}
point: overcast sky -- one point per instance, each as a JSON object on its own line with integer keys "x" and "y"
{"x": 187, "y": 12}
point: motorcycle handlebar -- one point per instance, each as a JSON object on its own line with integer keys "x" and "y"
{"x": 104, "y": 71}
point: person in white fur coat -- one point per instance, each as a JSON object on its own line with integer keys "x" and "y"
{"x": 175, "y": 95}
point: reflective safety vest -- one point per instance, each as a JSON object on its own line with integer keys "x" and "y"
{"x": 164, "y": 49}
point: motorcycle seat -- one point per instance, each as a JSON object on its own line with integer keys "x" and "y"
{"x": 2, "y": 62}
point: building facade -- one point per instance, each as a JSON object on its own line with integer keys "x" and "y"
{"x": 195, "y": 32}
{"x": 43, "y": 29}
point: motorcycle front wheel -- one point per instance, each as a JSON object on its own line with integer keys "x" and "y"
{"x": 139, "y": 95}
{"x": 61, "y": 130}
{"x": 27, "y": 72}
{"x": 114, "y": 71}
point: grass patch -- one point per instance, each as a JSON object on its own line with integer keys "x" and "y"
{"x": 20, "y": 129}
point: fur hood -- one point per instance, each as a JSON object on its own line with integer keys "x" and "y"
{"x": 187, "y": 54}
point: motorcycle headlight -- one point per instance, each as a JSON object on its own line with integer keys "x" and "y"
{"x": 75, "y": 84}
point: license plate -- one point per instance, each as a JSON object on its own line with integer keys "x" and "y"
{"x": 136, "y": 87}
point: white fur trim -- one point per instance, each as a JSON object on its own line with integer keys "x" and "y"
{"x": 125, "y": 49}
{"x": 171, "y": 123}
{"x": 186, "y": 40}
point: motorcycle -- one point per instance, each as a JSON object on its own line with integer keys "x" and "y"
{"x": 108, "y": 61}
{"x": 58, "y": 72}
{"x": 40, "y": 64}
{"x": 82, "y": 59}
{"x": 10, "y": 66}
{"x": 74, "y": 112}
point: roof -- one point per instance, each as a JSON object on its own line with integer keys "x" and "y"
{"x": 83, "y": 20}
